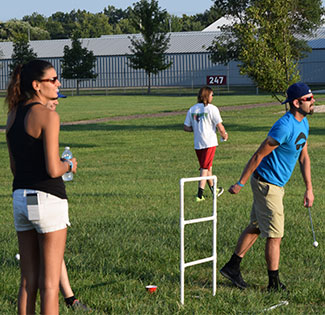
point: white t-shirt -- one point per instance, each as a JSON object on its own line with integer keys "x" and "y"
{"x": 203, "y": 120}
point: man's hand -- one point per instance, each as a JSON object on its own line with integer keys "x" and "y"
{"x": 308, "y": 198}
{"x": 235, "y": 189}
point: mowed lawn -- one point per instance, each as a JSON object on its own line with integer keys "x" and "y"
{"x": 124, "y": 211}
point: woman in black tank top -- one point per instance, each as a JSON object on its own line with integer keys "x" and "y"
{"x": 33, "y": 143}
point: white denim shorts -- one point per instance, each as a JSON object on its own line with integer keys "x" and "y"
{"x": 34, "y": 209}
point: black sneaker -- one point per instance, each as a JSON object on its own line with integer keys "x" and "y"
{"x": 234, "y": 276}
{"x": 277, "y": 286}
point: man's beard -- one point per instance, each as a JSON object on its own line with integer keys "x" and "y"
{"x": 302, "y": 112}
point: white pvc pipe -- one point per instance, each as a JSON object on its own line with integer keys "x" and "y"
{"x": 184, "y": 222}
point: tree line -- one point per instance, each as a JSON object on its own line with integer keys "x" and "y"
{"x": 110, "y": 21}
{"x": 266, "y": 38}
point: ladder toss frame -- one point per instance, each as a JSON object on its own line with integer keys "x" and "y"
{"x": 184, "y": 222}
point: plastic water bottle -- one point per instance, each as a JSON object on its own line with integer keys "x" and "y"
{"x": 223, "y": 139}
{"x": 67, "y": 155}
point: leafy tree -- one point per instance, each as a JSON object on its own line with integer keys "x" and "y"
{"x": 22, "y": 53}
{"x": 36, "y": 20}
{"x": 209, "y": 16}
{"x": 263, "y": 38}
{"x": 13, "y": 29}
{"x": 78, "y": 63}
{"x": 189, "y": 24}
{"x": 115, "y": 15}
{"x": 173, "y": 23}
{"x": 149, "y": 51}
{"x": 98, "y": 25}
{"x": 56, "y": 29}
{"x": 125, "y": 26}
{"x": 120, "y": 20}
{"x": 66, "y": 23}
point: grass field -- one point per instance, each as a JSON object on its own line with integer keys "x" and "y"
{"x": 92, "y": 107}
{"x": 124, "y": 210}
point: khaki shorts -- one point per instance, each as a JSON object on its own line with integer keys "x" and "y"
{"x": 47, "y": 214}
{"x": 267, "y": 211}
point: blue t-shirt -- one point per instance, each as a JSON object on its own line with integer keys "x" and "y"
{"x": 292, "y": 135}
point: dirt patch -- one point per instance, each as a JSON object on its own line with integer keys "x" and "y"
{"x": 130, "y": 117}
{"x": 318, "y": 109}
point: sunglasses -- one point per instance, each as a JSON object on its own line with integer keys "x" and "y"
{"x": 52, "y": 80}
{"x": 306, "y": 99}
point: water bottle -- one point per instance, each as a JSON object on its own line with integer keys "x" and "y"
{"x": 67, "y": 155}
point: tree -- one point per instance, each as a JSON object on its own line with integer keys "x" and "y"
{"x": 263, "y": 38}
{"x": 115, "y": 15}
{"x": 149, "y": 51}
{"x": 78, "y": 63}
{"x": 13, "y": 29}
{"x": 22, "y": 53}
{"x": 36, "y": 20}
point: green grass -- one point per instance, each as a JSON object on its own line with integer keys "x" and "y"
{"x": 124, "y": 210}
{"x": 92, "y": 107}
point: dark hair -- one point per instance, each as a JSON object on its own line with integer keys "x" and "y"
{"x": 203, "y": 96}
{"x": 20, "y": 87}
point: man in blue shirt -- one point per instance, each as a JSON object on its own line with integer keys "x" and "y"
{"x": 271, "y": 167}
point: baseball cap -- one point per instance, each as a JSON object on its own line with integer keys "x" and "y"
{"x": 296, "y": 90}
{"x": 61, "y": 95}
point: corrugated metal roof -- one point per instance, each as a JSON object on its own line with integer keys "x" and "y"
{"x": 215, "y": 26}
{"x": 114, "y": 45}
{"x": 6, "y": 48}
{"x": 318, "y": 40}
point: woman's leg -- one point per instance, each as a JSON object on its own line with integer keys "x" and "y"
{"x": 29, "y": 268}
{"x": 52, "y": 247}
{"x": 65, "y": 287}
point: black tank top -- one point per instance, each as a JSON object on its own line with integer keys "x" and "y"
{"x": 28, "y": 155}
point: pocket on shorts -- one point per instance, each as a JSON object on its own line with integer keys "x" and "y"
{"x": 264, "y": 189}
{"x": 34, "y": 207}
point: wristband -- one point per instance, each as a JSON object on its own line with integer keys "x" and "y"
{"x": 240, "y": 184}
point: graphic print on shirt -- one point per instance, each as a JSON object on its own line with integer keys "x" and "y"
{"x": 300, "y": 141}
{"x": 197, "y": 116}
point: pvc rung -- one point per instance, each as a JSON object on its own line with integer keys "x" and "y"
{"x": 197, "y": 262}
{"x": 199, "y": 220}
{"x": 195, "y": 179}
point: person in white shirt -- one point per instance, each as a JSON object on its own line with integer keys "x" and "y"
{"x": 204, "y": 120}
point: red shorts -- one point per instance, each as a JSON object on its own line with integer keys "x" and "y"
{"x": 205, "y": 157}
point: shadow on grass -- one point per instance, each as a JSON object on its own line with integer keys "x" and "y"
{"x": 317, "y": 131}
{"x": 99, "y": 285}
{"x": 77, "y": 145}
{"x": 106, "y": 127}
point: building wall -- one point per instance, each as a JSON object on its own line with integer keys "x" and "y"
{"x": 312, "y": 68}
{"x": 187, "y": 70}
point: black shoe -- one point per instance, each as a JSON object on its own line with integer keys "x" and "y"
{"x": 277, "y": 286}
{"x": 234, "y": 276}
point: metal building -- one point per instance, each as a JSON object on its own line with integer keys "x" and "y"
{"x": 191, "y": 64}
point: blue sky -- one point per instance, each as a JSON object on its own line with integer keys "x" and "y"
{"x": 19, "y": 8}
